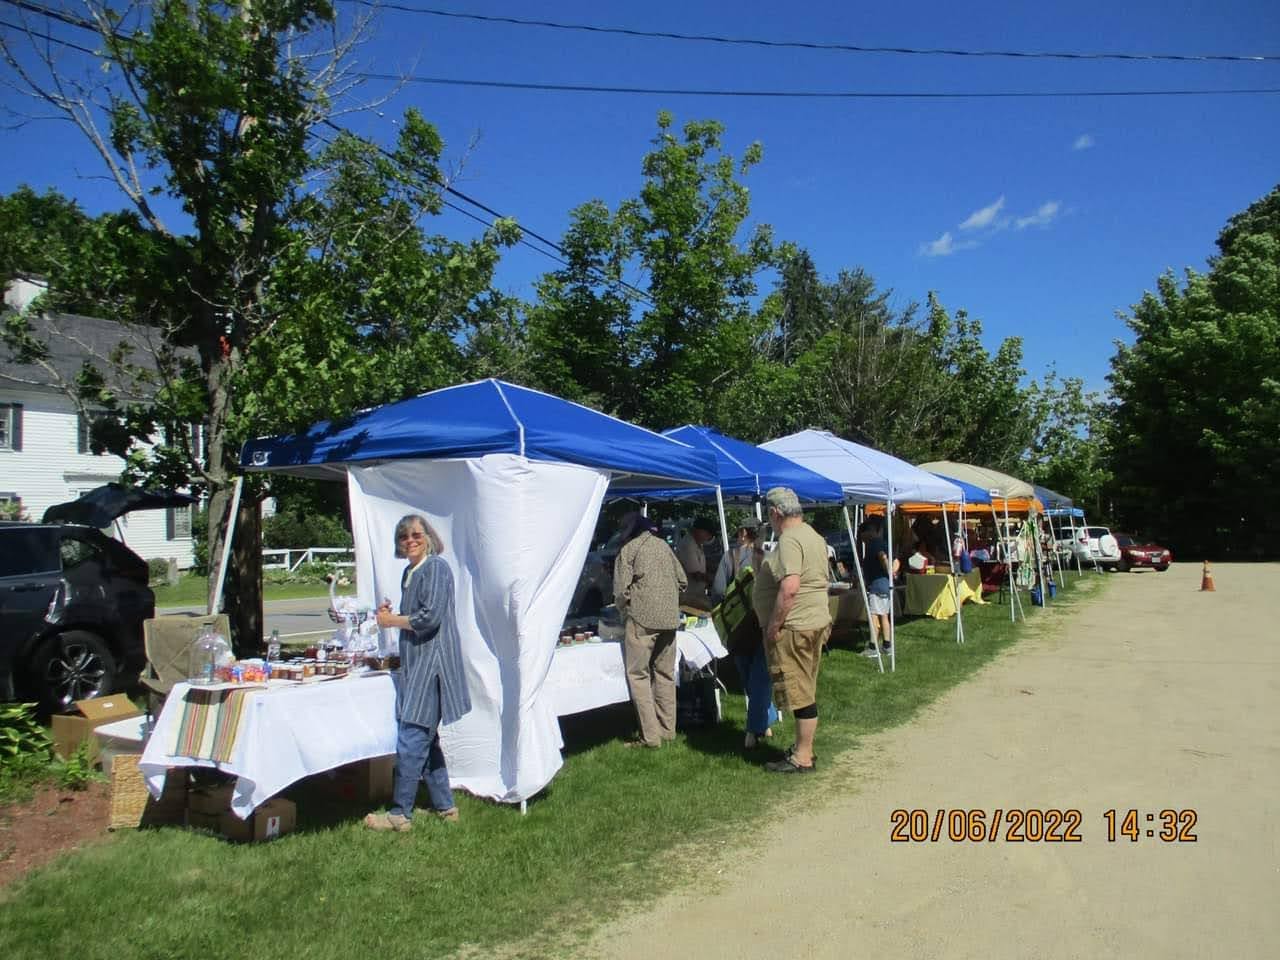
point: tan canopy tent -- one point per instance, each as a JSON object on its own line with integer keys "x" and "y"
{"x": 1009, "y": 495}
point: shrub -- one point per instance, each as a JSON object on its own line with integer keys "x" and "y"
{"x": 21, "y": 735}
{"x": 295, "y": 530}
{"x": 200, "y": 542}
{"x": 26, "y": 753}
{"x": 77, "y": 771}
{"x": 157, "y": 570}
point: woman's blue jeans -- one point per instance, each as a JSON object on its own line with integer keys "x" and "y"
{"x": 754, "y": 670}
{"x": 418, "y": 758}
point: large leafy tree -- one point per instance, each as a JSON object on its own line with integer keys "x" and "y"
{"x": 1196, "y": 424}
{"x": 277, "y": 264}
{"x": 1068, "y": 453}
{"x": 658, "y": 350}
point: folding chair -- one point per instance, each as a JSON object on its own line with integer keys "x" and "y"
{"x": 168, "y": 641}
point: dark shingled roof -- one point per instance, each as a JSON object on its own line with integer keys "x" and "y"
{"x": 72, "y": 339}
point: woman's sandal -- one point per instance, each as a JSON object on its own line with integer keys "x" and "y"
{"x": 394, "y": 822}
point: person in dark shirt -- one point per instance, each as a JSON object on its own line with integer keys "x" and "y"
{"x": 877, "y": 573}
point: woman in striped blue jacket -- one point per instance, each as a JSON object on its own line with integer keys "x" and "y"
{"x": 431, "y": 685}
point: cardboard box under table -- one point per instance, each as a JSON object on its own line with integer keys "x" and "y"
{"x": 209, "y": 808}
{"x": 69, "y": 730}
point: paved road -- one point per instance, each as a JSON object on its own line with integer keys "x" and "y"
{"x": 1154, "y": 696}
{"x": 293, "y": 618}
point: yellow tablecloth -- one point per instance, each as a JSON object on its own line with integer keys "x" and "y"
{"x": 931, "y": 594}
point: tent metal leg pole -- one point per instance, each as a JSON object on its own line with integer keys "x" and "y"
{"x": 955, "y": 587}
{"x": 1006, "y": 544}
{"x": 1035, "y": 549}
{"x": 215, "y": 603}
{"x": 862, "y": 584}
{"x": 524, "y": 808}
{"x": 893, "y": 590}
{"x": 724, "y": 526}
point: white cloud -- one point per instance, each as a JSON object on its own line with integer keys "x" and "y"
{"x": 1043, "y": 216}
{"x": 1083, "y": 142}
{"x": 984, "y": 217}
{"x": 945, "y": 246}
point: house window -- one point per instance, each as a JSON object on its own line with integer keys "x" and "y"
{"x": 84, "y": 431}
{"x": 195, "y": 436}
{"x": 177, "y": 524}
{"x": 10, "y": 426}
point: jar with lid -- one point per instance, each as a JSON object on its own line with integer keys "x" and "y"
{"x": 209, "y": 652}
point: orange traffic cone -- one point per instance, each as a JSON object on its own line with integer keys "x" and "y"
{"x": 1206, "y": 579}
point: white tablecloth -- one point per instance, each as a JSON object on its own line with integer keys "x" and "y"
{"x": 287, "y": 733}
{"x": 590, "y": 675}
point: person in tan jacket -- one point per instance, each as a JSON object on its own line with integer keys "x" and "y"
{"x": 647, "y": 580}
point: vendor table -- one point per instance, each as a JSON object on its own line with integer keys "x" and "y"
{"x": 930, "y": 594}
{"x": 284, "y": 733}
{"x": 585, "y": 676}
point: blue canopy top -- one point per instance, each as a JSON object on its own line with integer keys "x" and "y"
{"x": 1051, "y": 499}
{"x": 972, "y": 493}
{"x": 746, "y": 472}
{"x": 474, "y": 419}
{"x": 1064, "y": 512}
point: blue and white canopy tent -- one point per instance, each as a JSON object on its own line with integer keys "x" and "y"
{"x": 746, "y": 472}
{"x": 1062, "y": 508}
{"x": 513, "y": 480}
{"x": 867, "y": 476}
{"x": 1053, "y": 502}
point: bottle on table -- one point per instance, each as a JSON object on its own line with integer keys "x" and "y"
{"x": 273, "y": 647}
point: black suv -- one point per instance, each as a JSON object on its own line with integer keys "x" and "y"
{"x": 72, "y": 602}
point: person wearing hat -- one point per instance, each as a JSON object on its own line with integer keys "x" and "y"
{"x": 799, "y": 625}
{"x": 647, "y": 581}
{"x": 693, "y": 558}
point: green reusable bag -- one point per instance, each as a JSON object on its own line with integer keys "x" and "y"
{"x": 731, "y": 613}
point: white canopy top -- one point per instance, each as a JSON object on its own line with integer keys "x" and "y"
{"x": 865, "y": 474}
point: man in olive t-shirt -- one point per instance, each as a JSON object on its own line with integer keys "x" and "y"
{"x": 800, "y": 625}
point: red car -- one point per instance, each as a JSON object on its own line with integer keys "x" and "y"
{"x": 1135, "y": 553}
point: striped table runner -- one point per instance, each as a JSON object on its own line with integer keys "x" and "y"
{"x": 210, "y": 722}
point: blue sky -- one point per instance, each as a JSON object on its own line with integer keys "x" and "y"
{"x": 1042, "y": 217}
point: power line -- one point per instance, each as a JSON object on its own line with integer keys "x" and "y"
{"x": 814, "y": 94}
{"x": 743, "y": 94}
{"x": 44, "y": 36}
{"x": 815, "y": 45}
{"x": 635, "y": 291}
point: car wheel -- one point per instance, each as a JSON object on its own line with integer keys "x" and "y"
{"x": 72, "y": 666}
{"x": 1162, "y": 569}
{"x": 1122, "y": 567}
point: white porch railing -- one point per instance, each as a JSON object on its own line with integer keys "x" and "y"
{"x": 293, "y": 557}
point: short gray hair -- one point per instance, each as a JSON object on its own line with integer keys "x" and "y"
{"x": 785, "y": 501}
{"x": 434, "y": 543}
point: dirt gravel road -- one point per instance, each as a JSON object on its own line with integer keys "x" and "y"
{"x": 1154, "y": 696}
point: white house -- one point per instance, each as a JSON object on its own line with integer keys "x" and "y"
{"x": 44, "y": 442}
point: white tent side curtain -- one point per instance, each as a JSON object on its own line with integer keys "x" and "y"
{"x": 516, "y": 535}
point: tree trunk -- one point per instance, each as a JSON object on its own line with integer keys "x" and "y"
{"x": 244, "y": 580}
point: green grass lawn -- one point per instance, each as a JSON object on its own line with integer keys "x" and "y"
{"x": 613, "y": 827}
{"x": 193, "y": 591}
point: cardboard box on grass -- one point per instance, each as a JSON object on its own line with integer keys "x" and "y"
{"x": 69, "y": 730}
{"x": 365, "y": 781}
{"x": 209, "y": 808}
{"x": 268, "y": 821}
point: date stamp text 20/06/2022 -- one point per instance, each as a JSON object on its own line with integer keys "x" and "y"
{"x": 1038, "y": 825}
